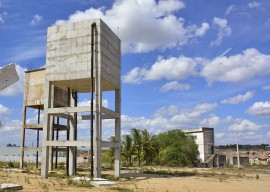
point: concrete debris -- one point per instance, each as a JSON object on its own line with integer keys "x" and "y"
{"x": 95, "y": 181}
{"x": 15, "y": 170}
{"x": 10, "y": 186}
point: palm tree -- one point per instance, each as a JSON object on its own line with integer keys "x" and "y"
{"x": 137, "y": 143}
{"x": 127, "y": 149}
{"x": 147, "y": 145}
{"x": 111, "y": 150}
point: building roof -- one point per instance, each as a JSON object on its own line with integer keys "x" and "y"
{"x": 197, "y": 130}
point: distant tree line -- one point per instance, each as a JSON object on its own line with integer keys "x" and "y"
{"x": 245, "y": 147}
{"x": 170, "y": 148}
{"x": 11, "y": 145}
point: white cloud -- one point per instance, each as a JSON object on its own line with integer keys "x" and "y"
{"x": 223, "y": 30}
{"x": 260, "y": 109}
{"x": 237, "y": 68}
{"x": 170, "y": 69}
{"x": 174, "y": 85}
{"x": 167, "y": 111}
{"x": 190, "y": 117}
{"x": 135, "y": 76}
{"x": 244, "y": 125}
{"x": 36, "y": 20}
{"x": 219, "y": 135}
{"x": 214, "y": 121}
{"x": 202, "y": 30}
{"x": 266, "y": 87}
{"x": 4, "y": 112}
{"x": 2, "y": 17}
{"x": 154, "y": 31}
{"x": 254, "y": 4}
{"x": 16, "y": 88}
{"x": 268, "y": 134}
{"x": 239, "y": 98}
{"x": 229, "y": 9}
{"x": 105, "y": 103}
{"x": 13, "y": 125}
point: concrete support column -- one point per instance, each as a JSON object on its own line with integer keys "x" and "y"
{"x": 117, "y": 155}
{"x": 23, "y": 136}
{"x": 98, "y": 118}
{"x": 71, "y": 137}
{"x": 46, "y": 130}
{"x": 51, "y": 129}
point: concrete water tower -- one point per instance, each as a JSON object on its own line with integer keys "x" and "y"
{"x": 81, "y": 57}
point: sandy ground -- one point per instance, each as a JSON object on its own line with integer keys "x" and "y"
{"x": 138, "y": 182}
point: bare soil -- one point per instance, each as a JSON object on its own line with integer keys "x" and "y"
{"x": 199, "y": 180}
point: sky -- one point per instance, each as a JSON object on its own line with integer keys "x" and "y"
{"x": 185, "y": 64}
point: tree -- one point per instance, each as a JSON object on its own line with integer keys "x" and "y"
{"x": 110, "y": 153}
{"x": 11, "y": 145}
{"x": 137, "y": 143}
{"x": 175, "y": 148}
{"x": 127, "y": 149}
{"x": 147, "y": 146}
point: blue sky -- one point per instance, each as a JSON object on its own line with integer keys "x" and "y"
{"x": 185, "y": 64}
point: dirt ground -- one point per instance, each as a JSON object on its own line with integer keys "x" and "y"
{"x": 204, "y": 180}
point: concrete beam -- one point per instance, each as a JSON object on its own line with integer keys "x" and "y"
{"x": 60, "y": 127}
{"x": 79, "y": 109}
{"x": 33, "y": 126}
{"x": 111, "y": 113}
{"x": 68, "y": 143}
{"x": 88, "y": 117}
{"x": 32, "y": 148}
{"x": 110, "y": 144}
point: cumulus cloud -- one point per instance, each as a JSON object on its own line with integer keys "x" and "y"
{"x": 254, "y": 4}
{"x": 244, "y": 125}
{"x": 135, "y": 76}
{"x": 36, "y": 20}
{"x": 260, "y": 109}
{"x": 223, "y": 30}
{"x": 214, "y": 121}
{"x": 13, "y": 125}
{"x": 186, "y": 117}
{"x": 237, "y": 68}
{"x": 170, "y": 69}
{"x": 16, "y": 88}
{"x": 239, "y": 98}
{"x": 154, "y": 31}
{"x": 174, "y": 85}
{"x": 202, "y": 30}
{"x": 4, "y": 112}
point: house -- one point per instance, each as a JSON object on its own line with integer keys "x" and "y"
{"x": 259, "y": 159}
{"x": 204, "y": 138}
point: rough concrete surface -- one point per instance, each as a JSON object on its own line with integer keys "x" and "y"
{"x": 10, "y": 186}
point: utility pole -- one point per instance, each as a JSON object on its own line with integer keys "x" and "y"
{"x": 237, "y": 149}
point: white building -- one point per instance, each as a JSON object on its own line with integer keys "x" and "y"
{"x": 204, "y": 138}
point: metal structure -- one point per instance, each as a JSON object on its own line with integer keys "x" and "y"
{"x": 74, "y": 67}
